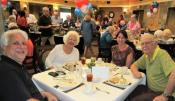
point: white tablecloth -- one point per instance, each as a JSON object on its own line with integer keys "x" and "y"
{"x": 45, "y": 82}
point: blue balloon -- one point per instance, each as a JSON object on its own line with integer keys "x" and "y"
{"x": 9, "y": 4}
{"x": 155, "y": 4}
{"x": 89, "y": 6}
{"x": 77, "y": 12}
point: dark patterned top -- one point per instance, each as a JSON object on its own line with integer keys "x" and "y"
{"x": 119, "y": 57}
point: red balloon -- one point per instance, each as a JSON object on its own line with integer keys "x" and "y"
{"x": 80, "y": 3}
{"x": 85, "y": 2}
{"x": 4, "y": 2}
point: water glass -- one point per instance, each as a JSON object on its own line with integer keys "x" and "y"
{"x": 124, "y": 70}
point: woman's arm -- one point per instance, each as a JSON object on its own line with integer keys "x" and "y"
{"x": 129, "y": 60}
{"x": 51, "y": 57}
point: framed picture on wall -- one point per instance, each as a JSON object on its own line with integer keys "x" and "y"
{"x": 111, "y": 14}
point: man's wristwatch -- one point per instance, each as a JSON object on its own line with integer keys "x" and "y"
{"x": 165, "y": 94}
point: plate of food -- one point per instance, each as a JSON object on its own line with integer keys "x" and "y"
{"x": 67, "y": 83}
{"x": 118, "y": 81}
{"x": 70, "y": 66}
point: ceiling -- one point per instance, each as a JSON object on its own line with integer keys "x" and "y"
{"x": 100, "y": 3}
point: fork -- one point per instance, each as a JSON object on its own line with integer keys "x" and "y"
{"x": 98, "y": 89}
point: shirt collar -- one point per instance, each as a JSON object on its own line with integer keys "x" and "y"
{"x": 154, "y": 54}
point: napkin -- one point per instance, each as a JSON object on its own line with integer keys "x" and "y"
{"x": 100, "y": 72}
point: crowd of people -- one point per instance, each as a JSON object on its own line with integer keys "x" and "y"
{"x": 159, "y": 66}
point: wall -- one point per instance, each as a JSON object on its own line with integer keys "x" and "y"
{"x": 1, "y": 21}
{"x": 117, "y": 11}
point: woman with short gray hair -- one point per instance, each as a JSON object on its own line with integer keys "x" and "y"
{"x": 64, "y": 53}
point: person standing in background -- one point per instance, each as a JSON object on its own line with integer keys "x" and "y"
{"x": 87, "y": 32}
{"x": 134, "y": 26}
{"x": 45, "y": 25}
{"x": 56, "y": 20}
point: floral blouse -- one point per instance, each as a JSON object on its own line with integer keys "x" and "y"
{"x": 119, "y": 57}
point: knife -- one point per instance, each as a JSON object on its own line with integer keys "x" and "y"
{"x": 122, "y": 88}
{"x": 81, "y": 84}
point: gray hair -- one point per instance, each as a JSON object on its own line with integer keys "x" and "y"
{"x": 65, "y": 37}
{"x": 4, "y": 41}
{"x": 149, "y": 36}
{"x": 110, "y": 29}
{"x": 45, "y": 8}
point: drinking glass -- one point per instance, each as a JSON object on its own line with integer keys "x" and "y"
{"x": 89, "y": 77}
{"x": 89, "y": 84}
{"x": 83, "y": 60}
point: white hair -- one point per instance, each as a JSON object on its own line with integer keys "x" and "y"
{"x": 133, "y": 16}
{"x": 158, "y": 34}
{"x": 65, "y": 37}
{"x": 149, "y": 36}
{"x": 4, "y": 41}
{"x": 12, "y": 25}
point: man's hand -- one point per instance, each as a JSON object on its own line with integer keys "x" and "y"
{"x": 32, "y": 99}
{"x": 49, "y": 96}
{"x": 135, "y": 72}
{"x": 160, "y": 98}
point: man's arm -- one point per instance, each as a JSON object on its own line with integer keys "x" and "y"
{"x": 169, "y": 88}
{"x": 171, "y": 83}
{"x": 135, "y": 71}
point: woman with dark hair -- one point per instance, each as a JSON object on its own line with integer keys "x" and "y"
{"x": 122, "y": 54}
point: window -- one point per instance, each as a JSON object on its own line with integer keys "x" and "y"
{"x": 64, "y": 14}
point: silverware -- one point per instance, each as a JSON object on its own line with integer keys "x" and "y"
{"x": 98, "y": 89}
{"x": 122, "y": 88}
{"x": 74, "y": 88}
{"x": 116, "y": 74}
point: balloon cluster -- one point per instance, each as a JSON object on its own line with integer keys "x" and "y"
{"x": 6, "y": 4}
{"x": 153, "y": 8}
{"x": 82, "y": 6}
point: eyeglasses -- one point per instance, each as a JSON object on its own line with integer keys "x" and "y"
{"x": 146, "y": 43}
{"x": 17, "y": 43}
